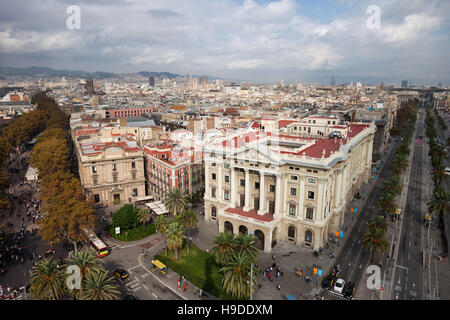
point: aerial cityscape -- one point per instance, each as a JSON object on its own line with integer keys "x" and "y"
{"x": 224, "y": 150}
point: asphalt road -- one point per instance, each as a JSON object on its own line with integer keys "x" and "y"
{"x": 353, "y": 258}
{"x": 140, "y": 283}
{"x": 407, "y": 279}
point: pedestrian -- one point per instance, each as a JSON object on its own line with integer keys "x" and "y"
{"x": 185, "y": 285}
{"x": 278, "y": 287}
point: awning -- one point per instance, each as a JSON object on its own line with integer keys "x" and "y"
{"x": 144, "y": 198}
{"x": 157, "y": 207}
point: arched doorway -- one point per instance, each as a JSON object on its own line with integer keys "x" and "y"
{"x": 274, "y": 237}
{"x": 228, "y": 227}
{"x": 260, "y": 236}
{"x": 291, "y": 233}
{"x": 243, "y": 230}
{"x": 308, "y": 238}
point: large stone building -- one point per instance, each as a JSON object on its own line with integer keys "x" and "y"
{"x": 111, "y": 168}
{"x": 168, "y": 165}
{"x": 286, "y": 187}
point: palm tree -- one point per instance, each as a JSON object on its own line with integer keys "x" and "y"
{"x": 161, "y": 224}
{"x": 439, "y": 174}
{"x": 379, "y": 222}
{"x": 86, "y": 260}
{"x": 223, "y": 246}
{"x": 175, "y": 237}
{"x": 440, "y": 203}
{"x": 246, "y": 244}
{"x": 48, "y": 280}
{"x": 375, "y": 241}
{"x": 175, "y": 201}
{"x": 143, "y": 216}
{"x": 189, "y": 220}
{"x": 393, "y": 185}
{"x": 386, "y": 203}
{"x": 236, "y": 279}
{"x": 98, "y": 286}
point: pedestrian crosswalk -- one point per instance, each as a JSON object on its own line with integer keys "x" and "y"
{"x": 112, "y": 245}
{"x": 134, "y": 285}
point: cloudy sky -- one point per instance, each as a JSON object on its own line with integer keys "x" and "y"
{"x": 255, "y": 40}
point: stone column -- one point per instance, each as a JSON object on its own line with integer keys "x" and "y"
{"x": 338, "y": 189}
{"x": 247, "y": 206}
{"x": 219, "y": 182}
{"x": 262, "y": 194}
{"x": 278, "y": 195}
{"x": 320, "y": 199}
{"x": 233, "y": 186}
{"x": 207, "y": 177}
{"x": 301, "y": 200}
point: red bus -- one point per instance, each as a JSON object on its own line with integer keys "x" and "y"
{"x": 98, "y": 245}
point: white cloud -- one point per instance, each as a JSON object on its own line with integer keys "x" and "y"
{"x": 29, "y": 41}
{"x": 413, "y": 27}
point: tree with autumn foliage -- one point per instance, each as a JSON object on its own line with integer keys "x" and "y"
{"x": 50, "y": 155}
{"x": 68, "y": 212}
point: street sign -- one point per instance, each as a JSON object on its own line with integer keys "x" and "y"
{"x": 117, "y": 230}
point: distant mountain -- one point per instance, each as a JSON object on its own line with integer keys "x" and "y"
{"x": 169, "y": 75}
{"x": 45, "y": 72}
{"x": 49, "y": 72}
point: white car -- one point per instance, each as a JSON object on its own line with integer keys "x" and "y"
{"x": 447, "y": 171}
{"x": 339, "y": 285}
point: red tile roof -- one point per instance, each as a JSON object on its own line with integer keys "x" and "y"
{"x": 284, "y": 123}
{"x": 267, "y": 217}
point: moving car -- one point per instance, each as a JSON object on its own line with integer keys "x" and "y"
{"x": 121, "y": 274}
{"x": 349, "y": 290}
{"x": 339, "y": 285}
{"x": 327, "y": 284}
{"x": 447, "y": 171}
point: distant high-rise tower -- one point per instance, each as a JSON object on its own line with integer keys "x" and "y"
{"x": 151, "y": 81}
{"x": 89, "y": 87}
{"x": 440, "y": 84}
{"x": 404, "y": 83}
{"x": 333, "y": 81}
{"x": 203, "y": 80}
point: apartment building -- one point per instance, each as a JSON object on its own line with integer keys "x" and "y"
{"x": 286, "y": 187}
{"x": 168, "y": 165}
{"x": 111, "y": 168}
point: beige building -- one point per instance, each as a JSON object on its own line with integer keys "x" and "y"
{"x": 285, "y": 187}
{"x": 111, "y": 168}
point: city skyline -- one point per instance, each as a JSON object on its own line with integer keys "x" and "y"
{"x": 261, "y": 41}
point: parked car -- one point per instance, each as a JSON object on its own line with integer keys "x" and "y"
{"x": 349, "y": 290}
{"x": 339, "y": 285}
{"x": 447, "y": 171}
{"x": 121, "y": 274}
{"x": 327, "y": 284}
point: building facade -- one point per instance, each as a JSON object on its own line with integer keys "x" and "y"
{"x": 283, "y": 187}
{"x": 111, "y": 169}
